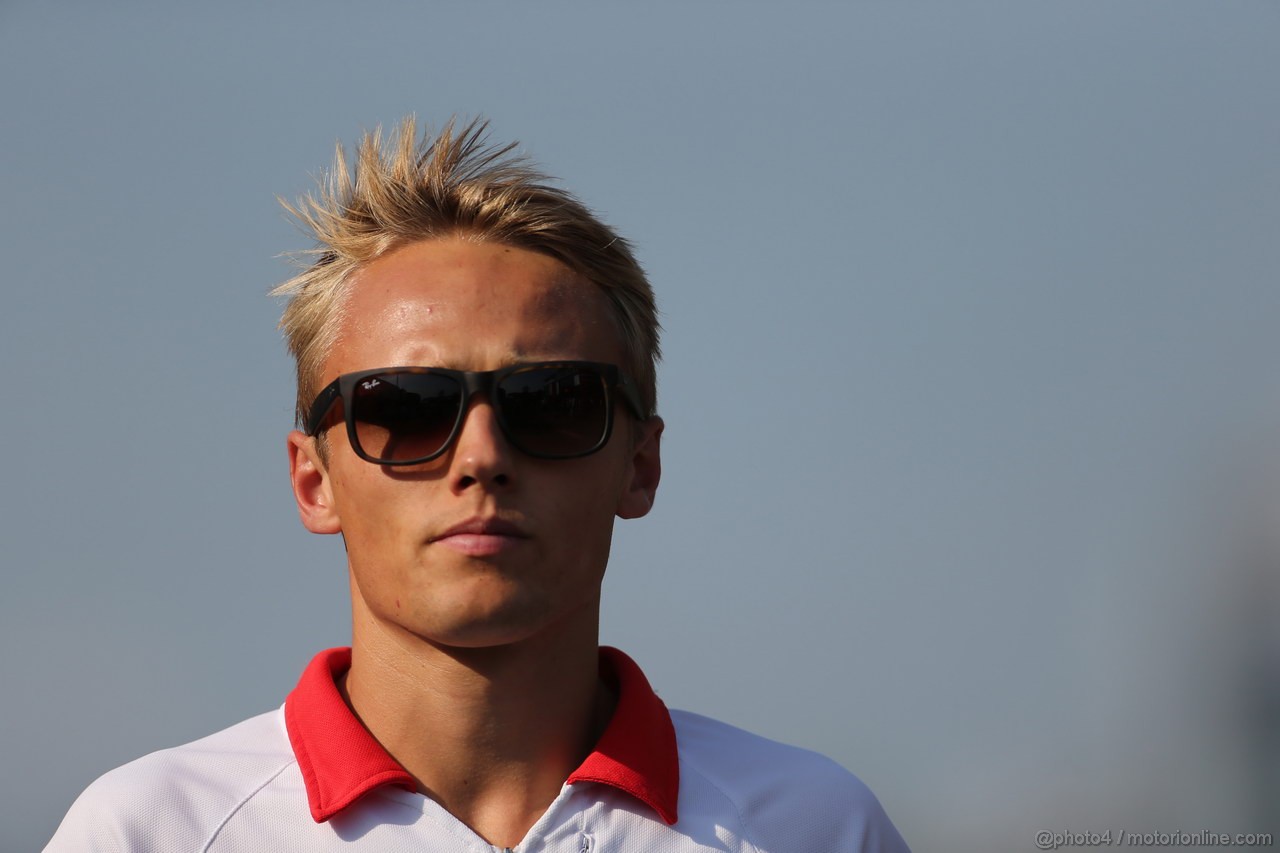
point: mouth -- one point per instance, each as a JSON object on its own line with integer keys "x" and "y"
{"x": 481, "y": 537}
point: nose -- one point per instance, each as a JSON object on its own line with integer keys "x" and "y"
{"x": 481, "y": 454}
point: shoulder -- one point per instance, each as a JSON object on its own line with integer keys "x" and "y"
{"x": 174, "y": 799}
{"x": 785, "y": 798}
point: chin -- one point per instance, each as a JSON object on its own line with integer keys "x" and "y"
{"x": 497, "y": 623}
{"x": 505, "y": 622}
{"x": 486, "y": 635}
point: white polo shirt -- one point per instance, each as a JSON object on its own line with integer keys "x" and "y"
{"x": 309, "y": 777}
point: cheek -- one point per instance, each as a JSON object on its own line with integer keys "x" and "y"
{"x": 592, "y": 490}
{"x": 584, "y": 510}
{"x": 372, "y": 511}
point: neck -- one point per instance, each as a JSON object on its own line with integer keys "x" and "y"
{"x": 489, "y": 733}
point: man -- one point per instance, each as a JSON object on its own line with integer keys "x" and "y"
{"x": 476, "y": 388}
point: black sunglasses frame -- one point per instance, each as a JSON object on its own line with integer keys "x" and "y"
{"x": 472, "y": 382}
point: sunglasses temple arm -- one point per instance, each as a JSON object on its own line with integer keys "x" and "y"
{"x": 628, "y": 391}
{"x": 320, "y": 408}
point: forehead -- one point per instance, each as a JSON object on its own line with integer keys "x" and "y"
{"x": 472, "y": 306}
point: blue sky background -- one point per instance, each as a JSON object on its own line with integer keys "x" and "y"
{"x": 972, "y": 462}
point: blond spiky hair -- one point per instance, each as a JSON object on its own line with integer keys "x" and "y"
{"x": 404, "y": 190}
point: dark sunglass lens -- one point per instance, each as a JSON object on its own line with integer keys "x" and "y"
{"x": 403, "y": 416}
{"x": 555, "y": 411}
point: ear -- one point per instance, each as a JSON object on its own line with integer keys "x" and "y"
{"x": 311, "y": 485}
{"x": 645, "y": 470}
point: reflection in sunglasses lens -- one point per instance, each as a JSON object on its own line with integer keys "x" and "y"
{"x": 554, "y": 411}
{"x": 405, "y": 415}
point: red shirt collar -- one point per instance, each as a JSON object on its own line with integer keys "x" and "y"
{"x": 341, "y": 761}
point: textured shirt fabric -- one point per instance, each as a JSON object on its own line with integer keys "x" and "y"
{"x": 308, "y": 777}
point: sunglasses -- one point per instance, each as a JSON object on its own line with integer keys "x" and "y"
{"x": 409, "y": 415}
